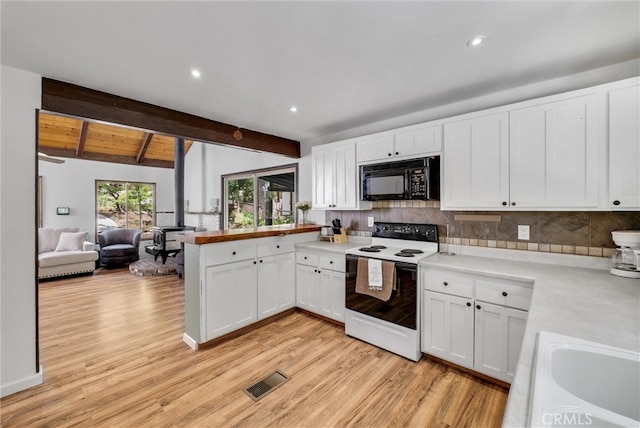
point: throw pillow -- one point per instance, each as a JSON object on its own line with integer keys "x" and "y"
{"x": 48, "y": 238}
{"x": 71, "y": 241}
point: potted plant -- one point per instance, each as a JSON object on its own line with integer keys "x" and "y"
{"x": 304, "y": 206}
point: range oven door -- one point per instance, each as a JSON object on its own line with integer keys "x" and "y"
{"x": 400, "y": 309}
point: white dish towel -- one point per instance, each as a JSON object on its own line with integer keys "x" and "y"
{"x": 375, "y": 274}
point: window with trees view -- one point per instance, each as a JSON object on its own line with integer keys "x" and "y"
{"x": 125, "y": 205}
{"x": 260, "y": 198}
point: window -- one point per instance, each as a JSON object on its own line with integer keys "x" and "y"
{"x": 125, "y": 205}
{"x": 260, "y": 198}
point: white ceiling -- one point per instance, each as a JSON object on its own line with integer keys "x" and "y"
{"x": 344, "y": 64}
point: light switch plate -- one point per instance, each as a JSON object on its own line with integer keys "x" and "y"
{"x": 369, "y": 221}
{"x": 523, "y": 232}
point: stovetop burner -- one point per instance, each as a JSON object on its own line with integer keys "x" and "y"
{"x": 406, "y": 243}
{"x": 369, "y": 250}
{"x": 412, "y": 251}
{"x": 405, "y": 254}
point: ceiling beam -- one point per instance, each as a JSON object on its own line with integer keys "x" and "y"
{"x": 79, "y": 101}
{"x": 82, "y": 139}
{"x": 144, "y": 146}
{"x": 101, "y": 157}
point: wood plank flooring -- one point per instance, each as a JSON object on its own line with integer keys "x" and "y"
{"x": 113, "y": 356}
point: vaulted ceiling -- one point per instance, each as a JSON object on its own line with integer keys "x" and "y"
{"x": 68, "y": 137}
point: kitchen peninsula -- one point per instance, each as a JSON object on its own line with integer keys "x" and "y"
{"x": 236, "y": 278}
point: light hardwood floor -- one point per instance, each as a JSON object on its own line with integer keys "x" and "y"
{"x": 112, "y": 352}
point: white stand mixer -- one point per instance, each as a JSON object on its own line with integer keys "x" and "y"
{"x": 625, "y": 261}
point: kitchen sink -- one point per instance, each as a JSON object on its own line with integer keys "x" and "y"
{"x": 577, "y": 383}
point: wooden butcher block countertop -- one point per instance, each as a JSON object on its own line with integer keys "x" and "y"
{"x": 212, "y": 237}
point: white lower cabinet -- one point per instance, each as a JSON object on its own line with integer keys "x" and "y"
{"x": 474, "y": 321}
{"x": 308, "y": 288}
{"x": 276, "y": 284}
{"x": 332, "y": 288}
{"x": 320, "y": 285}
{"x": 246, "y": 281}
{"x": 498, "y": 337}
{"x": 229, "y": 296}
{"x": 447, "y": 330}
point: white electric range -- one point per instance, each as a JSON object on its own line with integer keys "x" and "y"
{"x": 393, "y": 324}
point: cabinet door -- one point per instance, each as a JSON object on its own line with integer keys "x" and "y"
{"x": 323, "y": 167}
{"x": 375, "y": 148}
{"x": 553, "y": 155}
{"x": 419, "y": 142}
{"x": 332, "y": 285}
{"x": 276, "y": 284}
{"x": 447, "y": 329}
{"x": 624, "y": 148}
{"x": 229, "y": 298}
{"x": 476, "y": 163}
{"x": 498, "y": 339}
{"x": 308, "y": 288}
{"x": 345, "y": 183}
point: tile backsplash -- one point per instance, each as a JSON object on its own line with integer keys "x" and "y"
{"x": 569, "y": 232}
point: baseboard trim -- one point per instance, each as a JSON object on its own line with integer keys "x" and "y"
{"x": 320, "y": 317}
{"x": 245, "y": 330}
{"x": 467, "y": 370}
{"x": 189, "y": 341}
{"x": 22, "y": 384}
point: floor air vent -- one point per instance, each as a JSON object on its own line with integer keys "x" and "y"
{"x": 266, "y": 385}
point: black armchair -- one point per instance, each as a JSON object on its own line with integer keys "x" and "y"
{"x": 119, "y": 246}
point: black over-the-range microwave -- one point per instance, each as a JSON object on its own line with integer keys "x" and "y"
{"x": 415, "y": 179}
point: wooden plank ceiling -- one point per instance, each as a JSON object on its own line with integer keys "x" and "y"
{"x": 69, "y": 137}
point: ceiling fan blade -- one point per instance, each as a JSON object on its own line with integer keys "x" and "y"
{"x": 47, "y": 158}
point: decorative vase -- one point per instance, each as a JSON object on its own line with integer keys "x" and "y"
{"x": 304, "y": 217}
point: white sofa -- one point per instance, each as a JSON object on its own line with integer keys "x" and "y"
{"x": 64, "y": 252}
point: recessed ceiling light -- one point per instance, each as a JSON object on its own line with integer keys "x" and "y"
{"x": 476, "y": 41}
{"x": 195, "y": 73}
{"x": 293, "y": 109}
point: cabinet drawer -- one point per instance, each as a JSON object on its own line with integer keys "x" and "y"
{"x": 335, "y": 262}
{"x": 225, "y": 253}
{"x": 275, "y": 247}
{"x": 306, "y": 258}
{"x": 503, "y": 293}
{"x": 449, "y": 283}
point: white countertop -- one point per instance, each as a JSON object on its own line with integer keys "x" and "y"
{"x": 333, "y": 247}
{"x": 586, "y": 303}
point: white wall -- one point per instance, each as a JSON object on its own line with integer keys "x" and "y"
{"x": 558, "y": 85}
{"x": 20, "y": 92}
{"x": 72, "y": 184}
{"x": 206, "y": 163}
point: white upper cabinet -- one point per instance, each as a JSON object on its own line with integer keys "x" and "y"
{"x": 539, "y": 156}
{"x": 553, "y": 155}
{"x": 624, "y": 148}
{"x": 419, "y": 142}
{"x": 375, "y": 148}
{"x": 476, "y": 163}
{"x": 335, "y": 177}
{"x": 548, "y": 153}
{"x": 323, "y": 166}
{"x": 405, "y": 143}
